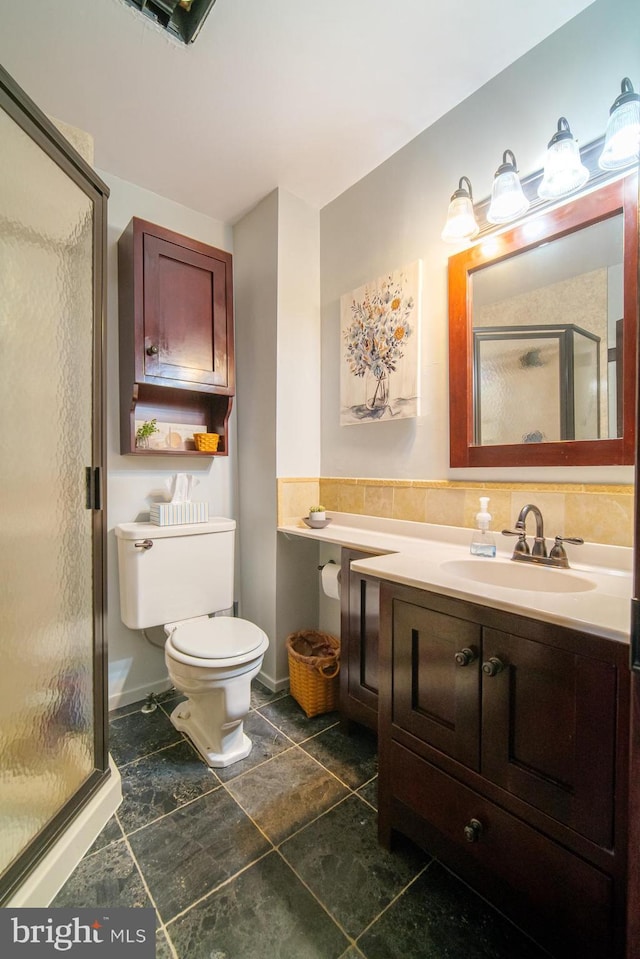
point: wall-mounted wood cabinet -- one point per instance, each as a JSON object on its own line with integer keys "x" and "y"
{"x": 176, "y": 334}
{"x": 503, "y": 751}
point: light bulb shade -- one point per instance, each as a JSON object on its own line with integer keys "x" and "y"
{"x": 622, "y": 139}
{"x": 461, "y": 221}
{"x": 507, "y": 199}
{"x": 564, "y": 171}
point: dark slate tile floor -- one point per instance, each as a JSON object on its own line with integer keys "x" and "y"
{"x": 275, "y": 856}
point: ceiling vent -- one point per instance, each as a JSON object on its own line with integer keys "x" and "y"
{"x": 181, "y": 18}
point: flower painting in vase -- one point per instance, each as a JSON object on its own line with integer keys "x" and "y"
{"x": 380, "y": 333}
{"x": 377, "y": 386}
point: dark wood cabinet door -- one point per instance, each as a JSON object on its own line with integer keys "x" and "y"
{"x": 187, "y": 332}
{"x": 549, "y": 730}
{"x": 360, "y": 628}
{"x": 436, "y": 680}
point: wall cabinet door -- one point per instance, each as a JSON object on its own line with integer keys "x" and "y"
{"x": 187, "y": 332}
{"x": 548, "y": 730}
{"x": 436, "y": 680}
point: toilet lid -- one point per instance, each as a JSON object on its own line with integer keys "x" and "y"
{"x": 221, "y": 637}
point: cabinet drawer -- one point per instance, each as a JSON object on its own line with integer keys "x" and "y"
{"x": 562, "y": 901}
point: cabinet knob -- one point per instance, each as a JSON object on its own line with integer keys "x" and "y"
{"x": 465, "y": 656}
{"x": 493, "y": 666}
{"x": 152, "y": 350}
{"x": 473, "y": 830}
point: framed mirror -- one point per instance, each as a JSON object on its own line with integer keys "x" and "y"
{"x": 542, "y": 337}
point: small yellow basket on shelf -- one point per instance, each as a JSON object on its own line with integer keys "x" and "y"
{"x": 206, "y": 442}
{"x": 314, "y": 664}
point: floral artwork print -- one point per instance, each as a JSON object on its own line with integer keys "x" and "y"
{"x": 380, "y": 348}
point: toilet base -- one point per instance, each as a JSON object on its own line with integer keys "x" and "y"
{"x": 237, "y": 743}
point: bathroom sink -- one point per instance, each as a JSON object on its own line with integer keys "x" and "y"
{"x": 541, "y": 579}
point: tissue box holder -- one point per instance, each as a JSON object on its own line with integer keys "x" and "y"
{"x": 176, "y": 514}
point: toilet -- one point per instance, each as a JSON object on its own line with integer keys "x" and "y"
{"x": 176, "y": 577}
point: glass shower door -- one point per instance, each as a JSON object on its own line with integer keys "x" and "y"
{"x": 52, "y": 744}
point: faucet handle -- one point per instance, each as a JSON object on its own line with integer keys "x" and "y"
{"x": 576, "y": 540}
{"x": 521, "y": 546}
{"x": 558, "y": 550}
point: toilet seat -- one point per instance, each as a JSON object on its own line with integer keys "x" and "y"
{"x": 218, "y": 638}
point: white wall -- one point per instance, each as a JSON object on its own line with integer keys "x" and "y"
{"x": 298, "y": 361}
{"x": 395, "y": 215}
{"x": 278, "y": 368}
{"x": 135, "y": 666}
{"x": 256, "y": 314}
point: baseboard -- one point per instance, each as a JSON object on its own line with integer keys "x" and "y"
{"x": 128, "y": 696}
{"x": 275, "y": 685}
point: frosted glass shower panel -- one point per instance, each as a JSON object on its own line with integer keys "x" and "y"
{"x": 46, "y": 549}
{"x": 512, "y": 407}
{"x": 536, "y": 385}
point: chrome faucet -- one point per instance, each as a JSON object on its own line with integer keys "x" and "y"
{"x": 538, "y": 554}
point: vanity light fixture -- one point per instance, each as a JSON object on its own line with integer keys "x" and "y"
{"x": 564, "y": 171}
{"x": 507, "y": 199}
{"x": 461, "y": 220}
{"x": 622, "y": 139}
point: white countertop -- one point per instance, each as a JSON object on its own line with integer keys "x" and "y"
{"x": 414, "y": 554}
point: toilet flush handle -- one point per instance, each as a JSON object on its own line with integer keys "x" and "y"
{"x": 144, "y": 544}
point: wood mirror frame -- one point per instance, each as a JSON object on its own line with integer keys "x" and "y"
{"x": 614, "y": 198}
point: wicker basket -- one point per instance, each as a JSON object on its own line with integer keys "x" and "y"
{"x": 314, "y": 664}
{"x": 206, "y": 442}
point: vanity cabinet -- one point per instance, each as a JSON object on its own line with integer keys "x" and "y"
{"x": 503, "y": 751}
{"x": 176, "y": 332}
{"x": 359, "y": 630}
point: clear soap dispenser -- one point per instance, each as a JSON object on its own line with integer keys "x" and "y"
{"x": 482, "y": 541}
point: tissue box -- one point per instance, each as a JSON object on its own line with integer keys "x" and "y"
{"x": 174, "y": 514}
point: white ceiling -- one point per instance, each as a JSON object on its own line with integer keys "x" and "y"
{"x": 306, "y": 95}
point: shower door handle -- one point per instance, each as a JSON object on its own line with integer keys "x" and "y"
{"x": 93, "y": 487}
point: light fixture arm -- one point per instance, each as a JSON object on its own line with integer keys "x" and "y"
{"x": 465, "y": 179}
{"x": 507, "y": 165}
{"x": 627, "y": 93}
{"x": 463, "y": 191}
{"x": 562, "y": 133}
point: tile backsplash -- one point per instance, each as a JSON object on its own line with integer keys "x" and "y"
{"x": 600, "y": 514}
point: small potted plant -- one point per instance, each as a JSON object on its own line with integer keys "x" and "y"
{"x": 147, "y": 429}
{"x": 317, "y": 514}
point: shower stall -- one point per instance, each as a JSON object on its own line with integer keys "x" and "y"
{"x": 53, "y": 744}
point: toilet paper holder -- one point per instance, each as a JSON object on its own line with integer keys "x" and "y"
{"x": 331, "y": 575}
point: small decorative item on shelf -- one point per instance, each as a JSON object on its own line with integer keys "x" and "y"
{"x": 143, "y": 433}
{"x": 317, "y": 517}
{"x": 206, "y": 442}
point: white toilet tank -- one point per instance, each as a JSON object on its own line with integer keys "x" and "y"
{"x": 187, "y": 571}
